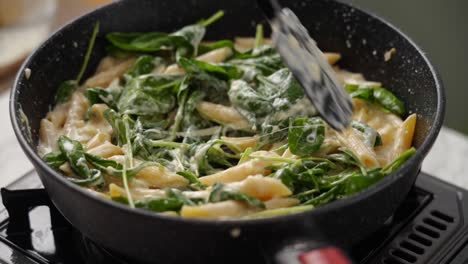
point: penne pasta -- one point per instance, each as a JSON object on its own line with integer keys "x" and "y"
{"x": 105, "y": 77}
{"x": 263, "y": 188}
{"x": 223, "y": 115}
{"x": 226, "y": 209}
{"x": 242, "y": 142}
{"x": 160, "y": 177}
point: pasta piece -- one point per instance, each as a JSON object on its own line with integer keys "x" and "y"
{"x": 104, "y": 78}
{"x": 137, "y": 193}
{"x": 48, "y": 135}
{"x": 403, "y": 138}
{"x": 66, "y": 169}
{"x": 75, "y": 118}
{"x": 237, "y": 173}
{"x": 263, "y": 188}
{"x": 59, "y": 115}
{"x": 173, "y": 69}
{"x": 160, "y": 177}
{"x": 97, "y": 140}
{"x": 107, "y": 63}
{"x": 98, "y": 121}
{"x": 387, "y": 124}
{"x": 287, "y": 154}
{"x": 197, "y": 194}
{"x": 216, "y": 56}
{"x": 347, "y": 77}
{"x": 352, "y": 141}
{"x": 242, "y": 142}
{"x": 332, "y": 57}
{"x": 106, "y": 150}
{"x": 329, "y": 145}
{"x": 159, "y": 70}
{"x": 226, "y": 209}
{"x": 281, "y": 203}
{"x": 224, "y": 115}
{"x": 154, "y": 176}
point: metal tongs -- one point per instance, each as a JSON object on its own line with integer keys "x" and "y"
{"x": 305, "y": 60}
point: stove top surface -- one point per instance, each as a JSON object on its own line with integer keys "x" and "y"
{"x": 429, "y": 227}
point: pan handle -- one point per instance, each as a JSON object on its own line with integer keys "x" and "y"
{"x": 310, "y": 253}
{"x": 325, "y": 255}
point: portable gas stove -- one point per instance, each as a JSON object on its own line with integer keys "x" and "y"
{"x": 429, "y": 227}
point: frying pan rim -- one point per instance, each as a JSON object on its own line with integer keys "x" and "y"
{"x": 417, "y": 158}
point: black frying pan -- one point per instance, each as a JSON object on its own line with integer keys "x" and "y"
{"x": 360, "y": 37}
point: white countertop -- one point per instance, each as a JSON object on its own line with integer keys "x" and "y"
{"x": 447, "y": 160}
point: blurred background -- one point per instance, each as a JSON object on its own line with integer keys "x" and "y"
{"x": 438, "y": 26}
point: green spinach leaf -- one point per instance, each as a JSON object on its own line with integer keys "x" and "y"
{"x": 372, "y": 138}
{"x": 75, "y": 155}
{"x": 306, "y": 135}
{"x": 220, "y": 193}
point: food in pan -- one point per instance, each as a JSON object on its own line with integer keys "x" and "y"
{"x": 219, "y": 129}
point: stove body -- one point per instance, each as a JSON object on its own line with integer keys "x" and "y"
{"x": 429, "y": 227}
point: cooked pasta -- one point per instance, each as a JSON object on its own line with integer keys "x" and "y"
{"x": 216, "y": 130}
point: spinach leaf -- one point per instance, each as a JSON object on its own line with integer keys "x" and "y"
{"x": 244, "y": 97}
{"x": 160, "y": 204}
{"x": 177, "y": 194}
{"x": 144, "y": 65}
{"x": 193, "y": 34}
{"x": 204, "y": 48}
{"x": 275, "y": 93}
{"x": 196, "y": 67}
{"x": 55, "y": 159}
{"x": 306, "y": 135}
{"x": 378, "y": 95}
{"x": 215, "y": 17}
{"x": 118, "y": 126}
{"x": 220, "y": 193}
{"x": 358, "y": 181}
{"x": 184, "y": 41}
{"x": 149, "y": 95}
{"x": 281, "y": 88}
{"x": 325, "y": 197}
{"x": 146, "y": 42}
{"x": 372, "y": 138}
{"x": 65, "y": 91}
{"x": 258, "y": 38}
{"x": 209, "y": 79}
{"x": 192, "y": 178}
{"x": 67, "y": 88}
{"x": 272, "y": 132}
{"x": 302, "y": 176}
{"x": 113, "y": 168}
{"x": 74, "y": 153}
{"x": 398, "y": 162}
{"x": 191, "y": 118}
{"x": 347, "y": 158}
{"x": 363, "y": 93}
{"x": 264, "y": 62}
{"x": 99, "y": 95}
{"x": 199, "y": 162}
{"x": 389, "y": 101}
